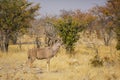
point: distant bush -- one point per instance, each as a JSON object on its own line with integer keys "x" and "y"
{"x": 96, "y": 61}
{"x": 118, "y": 45}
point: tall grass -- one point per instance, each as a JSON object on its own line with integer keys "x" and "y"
{"x": 63, "y": 67}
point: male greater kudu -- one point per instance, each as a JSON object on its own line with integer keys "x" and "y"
{"x": 43, "y": 53}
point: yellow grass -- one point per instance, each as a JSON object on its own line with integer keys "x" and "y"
{"x": 63, "y": 67}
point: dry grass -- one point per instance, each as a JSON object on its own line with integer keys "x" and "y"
{"x": 63, "y": 67}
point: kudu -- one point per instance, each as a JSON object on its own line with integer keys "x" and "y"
{"x": 43, "y": 53}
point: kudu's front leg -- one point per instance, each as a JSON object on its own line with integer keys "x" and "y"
{"x": 30, "y": 62}
{"x": 48, "y": 65}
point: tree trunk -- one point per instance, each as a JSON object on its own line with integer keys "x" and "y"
{"x": 37, "y": 42}
{"x": 106, "y": 41}
{"x": 4, "y": 43}
{"x": 20, "y": 45}
{"x": 14, "y": 40}
{"x": 6, "y": 46}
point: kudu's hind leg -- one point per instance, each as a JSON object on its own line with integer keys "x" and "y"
{"x": 48, "y": 65}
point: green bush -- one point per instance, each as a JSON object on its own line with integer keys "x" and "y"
{"x": 68, "y": 31}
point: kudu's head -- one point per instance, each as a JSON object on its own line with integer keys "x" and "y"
{"x": 57, "y": 44}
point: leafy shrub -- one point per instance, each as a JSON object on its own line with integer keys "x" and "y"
{"x": 68, "y": 31}
{"x": 96, "y": 61}
{"x": 118, "y": 45}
